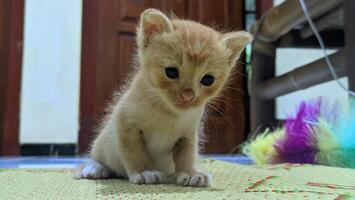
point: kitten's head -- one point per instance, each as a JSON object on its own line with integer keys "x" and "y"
{"x": 186, "y": 63}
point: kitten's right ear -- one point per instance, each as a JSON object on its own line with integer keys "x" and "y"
{"x": 152, "y": 22}
{"x": 236, "y": 42}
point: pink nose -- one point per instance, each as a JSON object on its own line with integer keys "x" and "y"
{"x": 187, "y": 95}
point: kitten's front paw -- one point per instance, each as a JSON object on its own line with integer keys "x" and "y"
{"x": 147, "y": 177}
{"x": 194, "y": 179}
{"x": 92, "y": 170}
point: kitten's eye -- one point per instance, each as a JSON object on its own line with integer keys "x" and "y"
{"x": 207, "y": 80}
{"x": 172, "y": 72}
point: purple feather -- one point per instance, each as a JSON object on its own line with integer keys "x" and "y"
{"x": 298, "y": 145}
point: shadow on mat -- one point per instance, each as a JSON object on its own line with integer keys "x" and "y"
{"x": 116, "y": 186}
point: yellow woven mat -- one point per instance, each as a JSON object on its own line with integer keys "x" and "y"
{"x": 231, "y": 181}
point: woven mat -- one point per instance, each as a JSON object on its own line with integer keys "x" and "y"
{"x": 231, "y": 181}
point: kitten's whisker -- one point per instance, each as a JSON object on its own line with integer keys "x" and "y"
{"x": 210, "y": 122}
{"x": 225, "y": 102}
{"x": 223, "y": 98}
{"x": 239, "y": 112}
{"x": 243, "y": 93}
{"x": 236, "y": 71}
{"x": 212, "y": 107}
{"x": 214, "y": 118}
{"x": 224, "y": 116}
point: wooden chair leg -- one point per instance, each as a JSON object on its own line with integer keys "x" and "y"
{"x": 349, "y": 17}
{"x": 262, "y": 112}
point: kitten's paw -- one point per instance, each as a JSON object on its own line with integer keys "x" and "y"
{"x": 147, "y": 177}
{"x": 92, "y": 170}
{"x": 194, "y": 179}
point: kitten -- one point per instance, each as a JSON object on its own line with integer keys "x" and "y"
{"x": 152, "y": 131}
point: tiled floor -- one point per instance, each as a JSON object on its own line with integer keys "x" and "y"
{"x": 71, "y": 162}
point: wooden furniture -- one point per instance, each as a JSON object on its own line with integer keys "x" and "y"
{"x": 11, "y": 28}
{"x": 285, "y": 26}
{"x": 108, "y": 44}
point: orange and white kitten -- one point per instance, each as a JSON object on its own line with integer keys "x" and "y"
{"x": 152, "y": 132}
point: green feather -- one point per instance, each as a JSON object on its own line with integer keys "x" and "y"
{"x": 261, "y": 149}
{"x": 330, "y": 152}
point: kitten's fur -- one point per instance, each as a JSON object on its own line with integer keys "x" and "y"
{"x": 152, "y": 131}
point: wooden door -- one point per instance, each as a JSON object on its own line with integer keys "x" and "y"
{"x": 11, "y": 27}
{"x": 108, "y": 45}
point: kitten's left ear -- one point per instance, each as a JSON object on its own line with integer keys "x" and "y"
{"x": 236, "y": 42}
{"x": 152, "y": 22}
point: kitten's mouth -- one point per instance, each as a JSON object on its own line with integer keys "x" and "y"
{"x": 180, "y": 104}
{"x": 183, "y": 105}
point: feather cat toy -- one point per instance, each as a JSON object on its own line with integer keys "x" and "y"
{"x": 318, "y": 133}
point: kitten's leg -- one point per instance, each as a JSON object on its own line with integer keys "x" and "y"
{"x": 92, "y": 170}
{"x": 135, "y": 158}
{"x": 185, "y": 157}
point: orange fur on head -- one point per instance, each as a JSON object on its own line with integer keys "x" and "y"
{"x": 194, "y": 49}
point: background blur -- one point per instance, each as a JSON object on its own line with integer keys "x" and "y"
{"x": 61, "y": 59}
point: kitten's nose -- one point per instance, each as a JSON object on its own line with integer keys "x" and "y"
{"x": 187, "y": 95}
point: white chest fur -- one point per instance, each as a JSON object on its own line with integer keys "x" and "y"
{"x": 160, "y": 134}
{"x": 161, "y": 131}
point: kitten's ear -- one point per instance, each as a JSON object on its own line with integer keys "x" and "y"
{"x": 152, "y": 22}
{"x": 236, "y": 41}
